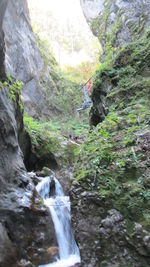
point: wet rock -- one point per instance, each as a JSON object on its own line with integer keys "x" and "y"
{"x": 77, "y": 265}
{"x": 53, "y": 251}
{"x": 115, "y": 217}
{"x": 35, "y": 179}
{"x": 45, "y": 172}
{"x": 24, "y": 263}
{"x": 34, "y": 161}
{"x": 48, "y": 255}
{"x": 64, "y": 176}
{"x": 146, "y": 241}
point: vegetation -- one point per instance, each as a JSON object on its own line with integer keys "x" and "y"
{"x": 43, "y": 137}
{"x": 63, "y": 93}
{"x": 115, "y": 158}
{"x": 52, "y": 137}
{"x": 13, "y": 88}
{"x": 82, "y": 73}
{"x": 64, "y": 96}
{"x": 99, "y": 26}
{"x": 107, "y": 30}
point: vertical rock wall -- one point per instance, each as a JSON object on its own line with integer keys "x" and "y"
{"x": 3, "y": 5}
{"x": 22, "y": 58}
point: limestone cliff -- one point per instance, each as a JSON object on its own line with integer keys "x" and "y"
{"x": 21, "y": 56}
{"x": 3, "y": 5}
{"x": 117, "y": 22}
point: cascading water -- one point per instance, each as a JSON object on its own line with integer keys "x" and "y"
{"x": 59, "y": 206}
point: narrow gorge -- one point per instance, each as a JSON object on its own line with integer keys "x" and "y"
{"x": 58, "y": 157}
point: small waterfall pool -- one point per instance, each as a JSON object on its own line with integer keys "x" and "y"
{"x": 59, "y": 207}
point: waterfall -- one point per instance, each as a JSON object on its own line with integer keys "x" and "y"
{"x": 59, "y": 207}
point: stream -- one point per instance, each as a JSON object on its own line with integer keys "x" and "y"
{"x": 58, "y": 204}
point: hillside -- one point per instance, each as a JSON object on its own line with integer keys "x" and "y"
{"x": 112, "y": 170}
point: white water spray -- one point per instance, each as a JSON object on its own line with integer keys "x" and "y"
{"x": 59, "y": 206}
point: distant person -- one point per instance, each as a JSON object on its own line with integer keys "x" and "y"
{"x": 89, "y": 86}
{"x": 86, "y": 103}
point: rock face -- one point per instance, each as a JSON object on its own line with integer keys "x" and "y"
{"x": 3, "y": 5}
{"x": 92, "y": 8}
{"x": 117, "y": 22}
{"x": 102, "y": 235}
{"x": 26, "y": 230}
{"x": 22, "y": 59}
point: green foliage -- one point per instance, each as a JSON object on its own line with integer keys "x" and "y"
{"x": 46, "y": 51}
{"x": 81, "y": 73}
{"x": 43, "y": 137}
{"x": 64, "y": 94}
{"x": 14, "y": 90}
{"x": 53, "y": 137}
{"x": 75, "y": 127}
